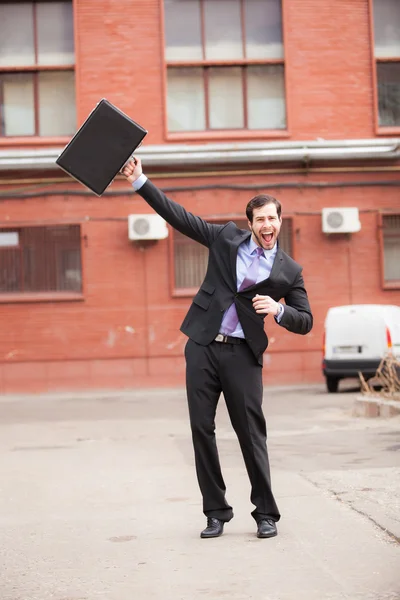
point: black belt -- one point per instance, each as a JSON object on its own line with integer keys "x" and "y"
{"x": 228, "y": 339}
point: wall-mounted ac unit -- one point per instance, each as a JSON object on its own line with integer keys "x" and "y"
{"x": 340, "y": 220}
{"x": 147, "y": 227}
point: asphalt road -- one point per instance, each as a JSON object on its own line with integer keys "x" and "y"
{"x": 99, "y": 500}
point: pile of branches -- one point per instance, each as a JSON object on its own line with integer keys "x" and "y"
{"x": 386, "y": 378}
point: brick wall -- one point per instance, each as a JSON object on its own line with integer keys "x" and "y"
{"x": 125, "y": 331}
{"x": 328, "y": 65}
{"x": 329, "y": 60}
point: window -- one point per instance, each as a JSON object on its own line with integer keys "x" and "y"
{"x": 191, "y": 258}
{"x": 387, "y": 56}
{"x": 40, "y": 259}
{"x": 225, "y": 65}
{"x": 37, "y": 80}
{"x": 391, "y": 250}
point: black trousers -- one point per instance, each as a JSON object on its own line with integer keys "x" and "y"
{"x": 233, "y": 370}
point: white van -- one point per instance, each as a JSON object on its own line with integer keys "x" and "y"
{"x": 356, "y": 338}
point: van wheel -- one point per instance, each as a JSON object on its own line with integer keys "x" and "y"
{"x": 332, "y": 383}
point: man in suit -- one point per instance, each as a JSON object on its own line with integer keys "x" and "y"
{"x": 247, "y": 276}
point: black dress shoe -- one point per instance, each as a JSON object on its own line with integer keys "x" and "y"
{"x": 214, "y": 528}
{"x": 266, "y": 528}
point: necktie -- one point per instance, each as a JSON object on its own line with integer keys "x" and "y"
{"x": 231, "y": 318}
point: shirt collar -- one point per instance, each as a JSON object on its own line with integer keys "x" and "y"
{"x": 268, "y": 254}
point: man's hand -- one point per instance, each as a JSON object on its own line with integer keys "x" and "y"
{"x": 133, "y": 169}
{"x": 265, "y": 305}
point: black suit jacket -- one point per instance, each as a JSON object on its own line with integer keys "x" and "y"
{"x": 219, "y": 288}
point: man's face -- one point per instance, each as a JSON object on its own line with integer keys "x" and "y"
{"x": 266, "y": 226}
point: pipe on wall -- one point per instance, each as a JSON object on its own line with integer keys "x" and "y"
{"x": 232, "y": 153}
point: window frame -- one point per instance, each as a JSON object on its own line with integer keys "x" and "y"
{"x": 36, "y": 139}
{"x": 52, "y": 295}
{"x": 385, "y": 285}
{"x": 224, "y": 134}
{"x": 379, "y": 130}
{"x": 192, "y": 291}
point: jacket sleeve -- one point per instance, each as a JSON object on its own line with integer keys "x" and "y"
{"x": 194, "y": 227}
{"x": 297, "y": 316}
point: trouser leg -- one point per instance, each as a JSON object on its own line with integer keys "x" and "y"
{"x": 203, "y": 391}
{"x": 241, "y": 380}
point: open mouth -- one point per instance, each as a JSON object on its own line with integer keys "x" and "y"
{"x": 267, "y": 237}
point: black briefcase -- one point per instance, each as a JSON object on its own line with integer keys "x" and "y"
{"x": 101, "y": 147}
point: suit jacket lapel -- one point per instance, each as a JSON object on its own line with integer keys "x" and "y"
{"x": 276, "y": 267}
{"x": 239, "y": 239}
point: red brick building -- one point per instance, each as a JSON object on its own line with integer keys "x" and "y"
{"x": 297, "y": 99}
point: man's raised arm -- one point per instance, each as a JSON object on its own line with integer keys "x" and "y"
{"x": 194, "y": 227}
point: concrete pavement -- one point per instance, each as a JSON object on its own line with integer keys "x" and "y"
{"x": 98, "y": 500}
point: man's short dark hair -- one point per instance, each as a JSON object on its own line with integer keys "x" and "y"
{"x": 258, "y": 202}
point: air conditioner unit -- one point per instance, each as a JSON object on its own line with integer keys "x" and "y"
{"x": 147, "y": 227}
{"x": 340, "y": 220}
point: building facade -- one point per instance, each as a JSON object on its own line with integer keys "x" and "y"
{"x": 300, "y": 100}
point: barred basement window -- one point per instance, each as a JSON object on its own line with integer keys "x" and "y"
{"x": 391, "y": 249}
{"x": 191, "y": 258}
{"x": 40, "y": 259}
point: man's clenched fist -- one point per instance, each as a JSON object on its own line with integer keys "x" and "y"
{"x": 265, "y": 305}
{"x": 133, "y": 169}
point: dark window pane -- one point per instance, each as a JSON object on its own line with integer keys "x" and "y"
{"x": 225, "y": 89}
{"x": 183, "y": 30}
{"x": 191, "y": 258}
{"x": 389, "y": 94}
{"x": 387, "y": 28}
{"x": 48, "y": 259}
{"x": 55, "y": 33}
{"x": 391, "y": 247}
{"x": 17, "y": 104}
{"x": 69, "y": 274}
{"x": 223, "y": 29}
{"x": 56, "y": 103}
{"x": 10, "y": 270}
{"x": 263, "y": 29}
{"x": 16, "y": 34}
{"x": 266, "y": 97}
{"x": 185, "y": 101}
